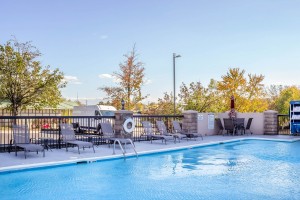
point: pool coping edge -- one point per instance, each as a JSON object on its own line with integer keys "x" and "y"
{"x": 130, "y": 155}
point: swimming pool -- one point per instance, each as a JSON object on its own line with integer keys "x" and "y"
{"x": 249, "y": 169}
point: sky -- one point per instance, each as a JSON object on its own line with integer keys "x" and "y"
{"x": 86, "y": 40}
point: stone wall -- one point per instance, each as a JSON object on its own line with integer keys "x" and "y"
{"x": 270, "y": 122}
{"x": 189, "y": 121}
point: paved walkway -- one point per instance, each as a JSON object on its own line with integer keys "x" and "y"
{"x": 59, "y": 156}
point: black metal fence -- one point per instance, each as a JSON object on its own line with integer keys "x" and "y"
{"x": 45, "y": 129}
{"x": 283, "y": 124}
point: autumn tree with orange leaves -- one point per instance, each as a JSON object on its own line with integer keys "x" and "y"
{"x": 130, "y": 80}
{"x": 248, "y": 91}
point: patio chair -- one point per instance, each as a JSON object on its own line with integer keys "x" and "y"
{"x": 161, "y": 127}
{"x": 220, "y": 126}
{"x": 229, "y": 126}
{"x": 21, "y": 137}
{"x": 148, "y": 132}
{"x": 249, "y": 125}
{"x": 177, "y": 129}
{"x": 68, "y": 136}
{"x": 239, "y": 124}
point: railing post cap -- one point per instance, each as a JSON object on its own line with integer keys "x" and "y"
{"x": 189, "y": 112}
{"x": 271, "y": 111}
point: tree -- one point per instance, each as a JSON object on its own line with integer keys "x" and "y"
{"x": 114, "y": 96}
{"x": 165, "y": 105}
{"x": 23, "y": 81}
{"x": 282, "y": 103}
{"x": 273, "y": 93}
{"x": 197, "y": 97}
{"x": 248, "y": 93}
{"x": 131, "y": 78}
{"x": 150, "y": 108}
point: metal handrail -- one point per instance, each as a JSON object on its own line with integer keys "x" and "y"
{"x": 121, "y": 147}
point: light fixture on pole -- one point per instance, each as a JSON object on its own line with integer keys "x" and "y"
{"x": 174, "y": 57}
{"x": 123, "y": 104}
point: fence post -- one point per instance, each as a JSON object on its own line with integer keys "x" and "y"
{"x": 89, "y": 124}
{"x": 277, "y": 123}
{"x": 59, "y": 133}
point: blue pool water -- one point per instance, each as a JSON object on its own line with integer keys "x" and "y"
{"x": 241, "y": 170}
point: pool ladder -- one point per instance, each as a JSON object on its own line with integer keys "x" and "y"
{"x": 119, "y": 141}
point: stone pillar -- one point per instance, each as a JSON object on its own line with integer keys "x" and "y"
{"x": 189, "y": 122}
{"x": 120, "y": 117}
{"x": 270, "y": 122}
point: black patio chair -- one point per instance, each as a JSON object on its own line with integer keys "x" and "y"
{"x": 249, "y": 125}
{"x": 220, "y": 126}
{"x": 239, "y": 124}
{"x": 229, "y": 126}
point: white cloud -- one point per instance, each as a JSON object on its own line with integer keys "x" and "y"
{"x": 72, "y": 80}
{"x": 109, "y": 76}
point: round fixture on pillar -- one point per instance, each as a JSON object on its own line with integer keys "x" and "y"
{"x": 128, "y": 125}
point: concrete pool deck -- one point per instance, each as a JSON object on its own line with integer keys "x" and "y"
{"x": 10, "y": 162}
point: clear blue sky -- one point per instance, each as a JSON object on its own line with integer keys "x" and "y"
{"x": 87, "y": 38}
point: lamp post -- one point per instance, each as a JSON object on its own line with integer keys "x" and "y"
{"x": 123, "y": 104}
{"x": 174, "y": 57}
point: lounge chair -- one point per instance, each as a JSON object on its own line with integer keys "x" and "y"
{"x": 163, "y": 131}
{"x": 68, "y": 136}
{"x": 21, "y": 137}
{"x": 148, "y": 132}
{"x": 177, "y": 129}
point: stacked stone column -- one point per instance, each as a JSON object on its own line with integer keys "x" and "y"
{"x": 270, "y": 122}
{"x": 120, "y": 117}
{"x": 189, "y": 122}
